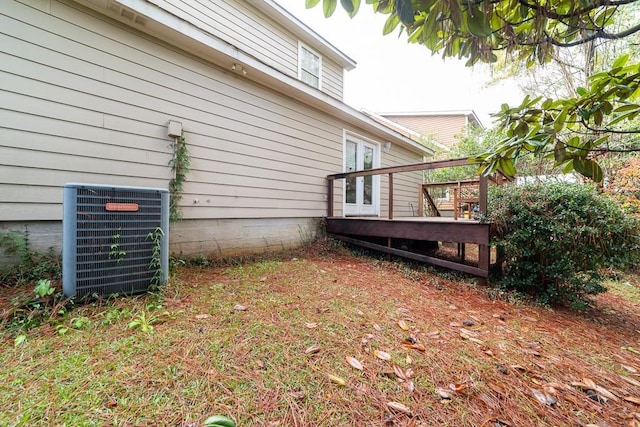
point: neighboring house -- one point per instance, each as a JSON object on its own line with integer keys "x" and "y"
{"x": 445, "y": 127}
{"x": 89, "y": 87}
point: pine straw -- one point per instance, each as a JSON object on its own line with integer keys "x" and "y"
{"x": 205, "y": 357}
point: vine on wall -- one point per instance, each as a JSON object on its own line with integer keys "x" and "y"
{"x": 180, "y": 164}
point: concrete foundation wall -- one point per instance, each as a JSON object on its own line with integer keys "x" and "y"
{"x": 215, "y": 238}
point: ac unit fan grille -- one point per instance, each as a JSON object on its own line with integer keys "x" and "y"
{"x": 114, "y": 249}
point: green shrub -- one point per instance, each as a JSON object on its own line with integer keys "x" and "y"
{"x": 556, "y": 237}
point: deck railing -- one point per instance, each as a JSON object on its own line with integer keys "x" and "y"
{"x": 390, "y": 171}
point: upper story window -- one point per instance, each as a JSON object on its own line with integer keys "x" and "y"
{"x": 309, "y": 66}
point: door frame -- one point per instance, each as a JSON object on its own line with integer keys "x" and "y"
{"x": 359, "y": 209}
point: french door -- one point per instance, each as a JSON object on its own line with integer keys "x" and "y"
{"x": 361, "y": 196}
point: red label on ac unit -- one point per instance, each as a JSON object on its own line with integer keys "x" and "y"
{"x": 121, "y": 207}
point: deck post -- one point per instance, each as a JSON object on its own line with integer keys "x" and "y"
{"x": 330, "y": 197}
{"x": 390, "y": 195}
{"x": 483, "y": 190}
{"x": 421, "y": 200}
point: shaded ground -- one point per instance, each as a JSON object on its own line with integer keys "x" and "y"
{"x": 279, "y": 342}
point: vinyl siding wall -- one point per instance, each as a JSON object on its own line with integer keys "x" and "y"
{"x": 241, "y": 25}
{"x": 86, "y": 99}
{"x": 446, "y": 129}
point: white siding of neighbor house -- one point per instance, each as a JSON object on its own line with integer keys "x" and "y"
{"x": 241, "y": 25}
{"x": 86, "y": 99}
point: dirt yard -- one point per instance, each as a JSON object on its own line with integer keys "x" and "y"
{"x": 326, "y": 337}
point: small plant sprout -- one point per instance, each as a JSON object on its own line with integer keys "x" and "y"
{"x": 155, "y": 264}
{"x": 116, "y": 251}
{"x": 43, "y": 288}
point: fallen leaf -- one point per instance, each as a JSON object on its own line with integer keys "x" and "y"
{"x": 260, "y": 364}
{"x": 410, "y": 386}
{"x": 311, "y": 325}
{"x": 443, "y": 393}
{"x": 606, "y": 393}
{"x": 312, "y": 349}
{"x": 543, "y": 397}
{"x": 519, "y": 368}
{"x": 631, "y": 381}
{"x": 632, "y": 399}
{"x": 408, "y": 360}
{"x": 631, "y": 349}
{"x": 337, "y": 380}
{"x": 402, "y": 310}
{"x": 458, "y": 387}
{"x": 403, "y": 325}
{"x": 263, "y": 279}
{"x": 590, "y": 383}
{"x": 382, "y": 355}
{"x": 377, "y": 327}
{"x": 202, "y": 316}
{"x": 354, "y": 363}
{"x": 415, "y": 346}
{"x": 408, "y": 373}
{"x": 399, "y": 407}
{"x": 629, "y": 369}
{"x": 239, "y": 307}
{"x": 399, "y": 372}
{"x": 468, "y": 332}
{"x": 433, "y": 333}
{"x": 476, "y": 340}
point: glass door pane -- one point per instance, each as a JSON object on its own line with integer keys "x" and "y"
{"x": 351, "y": 166}
{"x": 367, "y": 197}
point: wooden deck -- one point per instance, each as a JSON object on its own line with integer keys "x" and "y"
{"x": 409, "y": 237}
{"x": 418, "y": 237}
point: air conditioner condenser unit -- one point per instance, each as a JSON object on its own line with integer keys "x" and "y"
{"x": 115, "y": 239}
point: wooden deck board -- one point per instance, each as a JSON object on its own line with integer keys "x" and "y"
{"x": 367, "y": 232}
{"x": 416, "y": 228}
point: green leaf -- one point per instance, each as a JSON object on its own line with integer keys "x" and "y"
{"x": 347, "y": 5}
{"x": 456, "y": 13}
{"x": 311, "y": 3}
{"x": 328, "y": 7}
{"x": 558, "y": 123}
{"x": 20, "y": 339}
{"x": 507, "y": 167}
{"x": 391, "y": 24}
{"x": 581, "y": 91}
{"x": 404, "y": 10}
{"x": 559, "y": 152}
{"x": 477, "y": 23}
{"x": 620, "y": 61}
{"x": 588, "y": 168}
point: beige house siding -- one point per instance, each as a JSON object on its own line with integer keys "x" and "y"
{"x": 446, "y": 129}
{"x": 87, "y": 99}
{"x": 241, "y": 24}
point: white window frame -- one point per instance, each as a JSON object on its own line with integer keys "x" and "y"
{"x": 301, "y": 48}
{"x": 348, "y": 209}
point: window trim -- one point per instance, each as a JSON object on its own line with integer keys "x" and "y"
{"x": 302, "y": 46}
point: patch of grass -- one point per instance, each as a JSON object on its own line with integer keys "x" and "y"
{"x": 233, "y": 339}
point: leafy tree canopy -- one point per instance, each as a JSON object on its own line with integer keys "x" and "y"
{"x": 572, "y": 131}
{"x": 475, "y": 29}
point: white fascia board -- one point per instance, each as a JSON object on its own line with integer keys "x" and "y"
{"x": 279, "y": 14}
{"x": 172, "y": 29}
